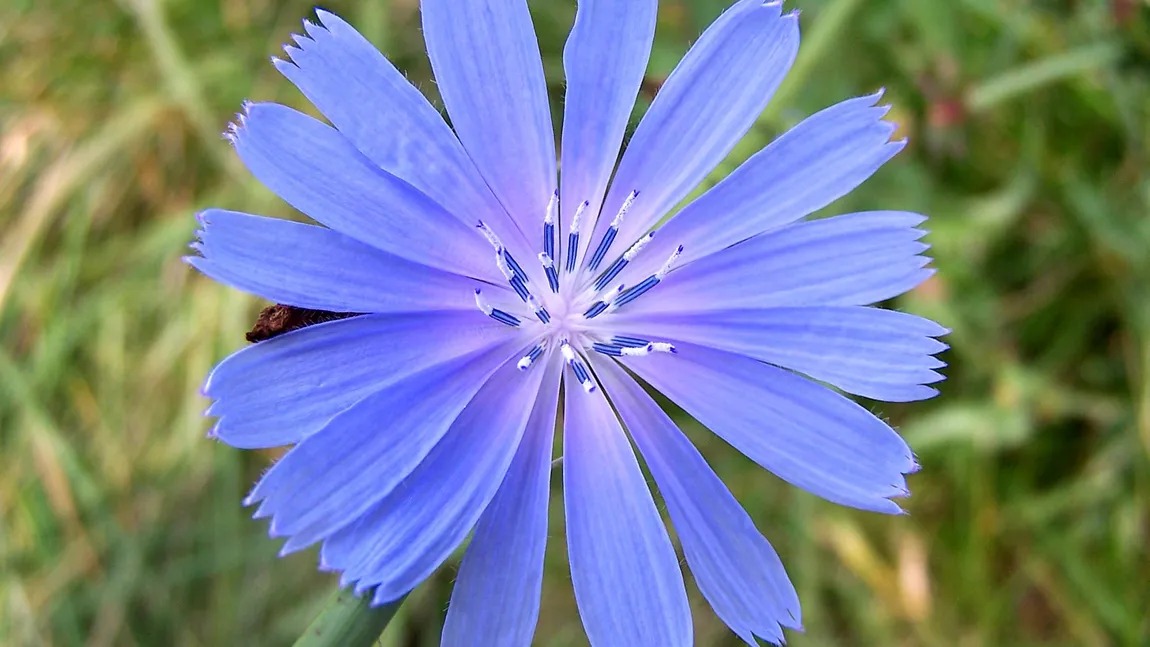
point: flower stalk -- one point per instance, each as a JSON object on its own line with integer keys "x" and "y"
{"x": 348, "y": 621}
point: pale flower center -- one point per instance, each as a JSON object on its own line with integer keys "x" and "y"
{"x": 565, "y": 313}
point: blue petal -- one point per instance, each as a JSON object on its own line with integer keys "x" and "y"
{"x": 706, "y": 106}
{"x": 627, "y": 581}
{"x": 282, "y": 390}
{"x": 505, "y": 558}
{"x": 375, "y": 107}
{"x": 487, "y": 66}
{"x": 856, "y": 259}
{"x": 316, "y": 170}
{"x": 402, "y": 539}
{"x": 604, "y": 61}
{"x": 733, "y": 564}
{"x": 313, "y": 267}
{"x": 810, "y": 166}
{"x": 879, "y": 354}
{"x": 338, "y": 473}
{"x": 805, "y": 433}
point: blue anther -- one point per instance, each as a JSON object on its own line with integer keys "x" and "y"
{"x": 595, "y": 310}
{"x": 607, "y": 349}
{"x": 552, "y": 279}
{"x": 528, "y": 359}
{"x": 611, "y": 273}
{"x": 518, "y": 271}
{"x": 520, "y": 289}
{"x": 604, "y": 245}
{"x": 572, "y": 250}
{"x": 548, "y": 262}
{"x": 630, "y": 342}
{"x": 612, "y": 231}
{"x": 549, "y": 225}
{"x": 504, "y": 317}
{"x": 635, "y": 292}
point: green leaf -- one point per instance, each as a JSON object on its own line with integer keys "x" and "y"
{"x": 348, "y": 621}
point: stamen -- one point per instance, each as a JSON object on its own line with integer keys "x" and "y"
{"x": 549, "y": 225}
{"x": 489, "y": 234}
{"x": 515, "y": 267}
{"x": 620, "y": 340}
{"x": 620, "y": 263}
{"x": 520, "y": 289}
{"x": 652, "y": 347}
{"x": 512, "y": 278}
{"x": 662, "y": 273}
{"x": 577, "y": 366}
{"x": 538, "y": 308}
{"x": 530, "y": 357}
{"x": 612, "y": 231}
{"x": 495, "y": 313}
{"x": 568, "y": 352}
{"x": 501, "y": 251}
{"x": 630, "y": 254}
{"x": 646, "y": 284}
{"x": 584, "y": 377}
{"x": 634, "y": 293}
{"x": 595, "y": 310}
{"x": 573, "y": 237}
{"x": 607, "y": 349}
{"x": 504, "y": 268}
{"x": 599, "y": 306}
{"x": 549, "y": 268}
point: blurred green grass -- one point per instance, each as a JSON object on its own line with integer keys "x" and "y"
{"x": 120, "y": 524}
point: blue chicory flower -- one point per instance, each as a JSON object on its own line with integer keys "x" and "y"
{"x": 483, "y": 279}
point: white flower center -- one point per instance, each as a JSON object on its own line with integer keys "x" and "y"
{"x": 566, "y": 313}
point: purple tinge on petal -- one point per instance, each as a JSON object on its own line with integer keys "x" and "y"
{"x": 505, "y": 558}
{"x": 282, "y": 390}
{"x": 387, "y": 119}
{"x": 338, "y": 473}
{"x": 314, "y": 267}
{"x": 734, "y": 566}
{"x": 404, "y": 537}
{"x": 316, "y": 170}
{"x": 803, "y": 432}
{"x": 627, "y": 581}
{"x": 823, "y": 158}
{"x": 488, "y": 70}
{"x": 875, "y": 353}
{"x": 706, "y": 106}
{"x": 855, "y": 259}
{"x": 604, "y": 61}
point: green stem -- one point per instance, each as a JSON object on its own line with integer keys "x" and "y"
{"x": 348, "y": 621}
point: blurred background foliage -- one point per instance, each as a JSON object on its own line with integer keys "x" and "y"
{"x": 120, "y": 524}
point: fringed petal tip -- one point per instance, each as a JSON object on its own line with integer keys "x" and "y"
{"x": 777, "y": 7}
{"x": 251, "y": 499}
{"x": 236, "y": 127}
{"x": 915, "y": 467}
{"x": 324, "y": 565}
{"x": 199, "y": 243}
{"x": 796, "y": 620}
{"x": 879, "y": 113}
